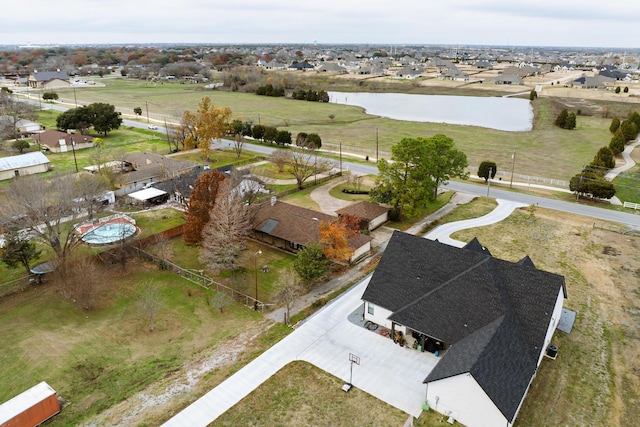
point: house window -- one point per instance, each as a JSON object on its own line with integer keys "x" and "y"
{"x": 370, "y": 308}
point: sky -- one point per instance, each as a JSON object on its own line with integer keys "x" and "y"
{"x": 583, "y": 23}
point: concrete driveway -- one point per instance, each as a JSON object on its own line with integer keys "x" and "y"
{"x": 391, "y": 373}
{"x": 442, "y": 233}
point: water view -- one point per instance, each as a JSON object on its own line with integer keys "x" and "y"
{"x": 508, "y": 114}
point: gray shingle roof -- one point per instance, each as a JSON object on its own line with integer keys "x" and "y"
{"x": 493, "y": 313}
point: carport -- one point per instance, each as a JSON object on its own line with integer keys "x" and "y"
{"x": 150, "y": 195}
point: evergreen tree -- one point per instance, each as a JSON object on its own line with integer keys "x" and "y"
{"x": 615, "y": 125}
{"x": 561, "y": 119}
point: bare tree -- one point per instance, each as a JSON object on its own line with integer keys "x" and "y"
{"x": 219, "y": 301}
{"x": 81, "y": 279}
{"x": 46, "y": 209}
{"x": 90, "y": 188}
{"x": 238, "y": 143}
{"x": 14, "y": 110}
{"x": 151, "y": 300}
{"x": 249, "y": 187}
{"x": 280, "y": 158}
{"x": 224, "y": 236}
{"x": 289, "y": 290}
{"x": 305, "y": 164}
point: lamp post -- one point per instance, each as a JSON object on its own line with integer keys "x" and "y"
{"x": 489, "y": 183}
{"x": 513, "y": 165}
{"x": 255, "y": 267}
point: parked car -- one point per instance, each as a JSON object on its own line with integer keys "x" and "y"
{"x": 153, "y": 127}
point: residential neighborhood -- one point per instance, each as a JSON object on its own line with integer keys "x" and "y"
{"x": 185, "y": 228}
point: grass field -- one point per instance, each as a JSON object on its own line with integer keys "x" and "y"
{"x": 592, "y": 382}
{"x": 546, "y": 151}
{"x": 96, "y": 359}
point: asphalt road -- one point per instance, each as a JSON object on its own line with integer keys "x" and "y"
{"x": 630, "y": 220}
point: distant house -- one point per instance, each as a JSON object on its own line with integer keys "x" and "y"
{"x": 23, "y": 164}
{"x": 48, "y": 80}
{"x": 23, "y": 126}
{"x": 372, "y": 215}
{"x": 301, "y": 66}
{"x": 508, "y": 80}
{"x": 408, "y": 73}
{"x": 593, "y": 82}
{"x": 488, "y": 320}
{"x": 332, "y": 67}
{"x": 62, "y": 142}
{"x": 454, "y": 73}
{"x": 291, "y": 228}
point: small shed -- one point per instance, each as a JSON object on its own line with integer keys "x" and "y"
{"x": 23, "y": 164}
{"x": 30, "y": 408}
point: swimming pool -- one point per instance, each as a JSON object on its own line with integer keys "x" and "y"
{"x": 108, "y": 230}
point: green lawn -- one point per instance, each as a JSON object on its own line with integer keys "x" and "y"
{"x": 546, "y": 151}
{"x": 98, "y": 358}
{"x": 627, "y": 184}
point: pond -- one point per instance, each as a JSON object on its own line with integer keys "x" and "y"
{"x": 507, "y": 114}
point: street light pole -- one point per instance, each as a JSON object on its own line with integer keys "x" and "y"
{"x": 489, "y": 183}
{"x": 513, "y": 165}
{"x": 255, "y": 267}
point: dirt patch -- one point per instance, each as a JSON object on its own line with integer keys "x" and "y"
{"x": 181, "y": 387}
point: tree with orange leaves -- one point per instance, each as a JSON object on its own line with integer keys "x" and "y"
{"x": 201, "y": 201}
{"x": 334, "y": 237}
{"x": 204, "y": 125}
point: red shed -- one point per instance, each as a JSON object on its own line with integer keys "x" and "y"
{"x": 30, "y": 408}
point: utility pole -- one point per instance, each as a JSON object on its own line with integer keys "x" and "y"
{"x": 166, "y": 129}
{"x": 73, "y": 148}
{"x": 377, "y": 157}
{"x": 147, "y": 106}
{"x": 74, "y": 97}
{"x": 513, "y": 165}
{"x": 340, "y": 158}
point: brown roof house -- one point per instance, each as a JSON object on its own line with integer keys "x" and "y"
{"x": 62, "y": 142}
{"x": 372, "y": 215}
{"x": 291, "y": 228}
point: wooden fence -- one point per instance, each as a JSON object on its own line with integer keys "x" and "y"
{"x": 204, "y": 281}
{"x": 617, "y": 229}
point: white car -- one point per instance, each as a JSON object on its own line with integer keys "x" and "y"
{"x": 153, "y": 127}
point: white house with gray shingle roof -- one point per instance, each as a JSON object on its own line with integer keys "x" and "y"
{"x": 490, "y": 321}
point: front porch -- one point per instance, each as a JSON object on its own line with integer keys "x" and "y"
{"x": 412, "y": 340}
